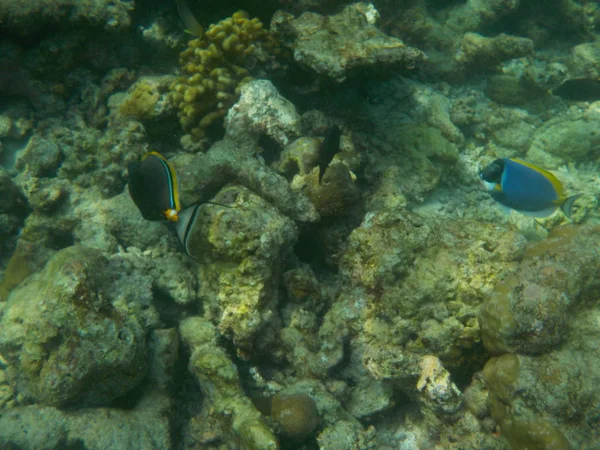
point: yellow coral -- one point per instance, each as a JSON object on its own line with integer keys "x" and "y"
{"x": 212, "y": 70}
{"x": 142, "y": 99}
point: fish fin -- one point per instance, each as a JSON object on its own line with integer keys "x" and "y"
{"x": 538, "y": 214}
{"x": 184, "y": 225}
{"x": 192, "y": 26}
{"x": 329, "y": 147}
{"x": 567, "y": 205}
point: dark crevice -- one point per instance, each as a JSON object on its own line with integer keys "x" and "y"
{"x": 60, "y": 239}
{"x": 172, "y": 313}
{"x": 473, "y": 361}
{"x": 270, "y": 149}
{"x": 186, "y": 395}
{"x": 130, "y": 399}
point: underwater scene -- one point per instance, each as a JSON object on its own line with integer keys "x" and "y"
{"x": 299, "y": 225}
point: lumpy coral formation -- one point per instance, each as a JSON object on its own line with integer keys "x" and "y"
{"x": 213, "y": 68}
{"x": 241, "y": 246}
{"x": 220, "y": 382}
{"x": 526, "y": 312}
{"x": 526, "y": 321}
{"x": 296, "y": 415}
{"x": 339, "y": 46}
{"x": 84, "y": 330}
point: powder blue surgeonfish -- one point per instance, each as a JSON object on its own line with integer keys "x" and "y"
{"x": 526, "y": 188}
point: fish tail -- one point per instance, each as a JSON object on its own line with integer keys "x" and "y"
{"x": 568, "y": 204}
{"x": 329, "y": 147}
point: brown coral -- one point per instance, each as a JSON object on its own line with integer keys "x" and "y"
{"x": 296, "y": 415}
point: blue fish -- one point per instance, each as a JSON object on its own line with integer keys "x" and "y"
{"x": 526, "y": 188}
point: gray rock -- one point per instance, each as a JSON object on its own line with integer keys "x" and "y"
{"x": 146, "y": 427}
{"x": 73, "y": 333}
{"x": 26, "y": 17}
{"x": 338, "y": 46}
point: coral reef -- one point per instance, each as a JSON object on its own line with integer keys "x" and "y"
{"x": 353, "y": 293}
{"x": 384, "y": 322}
{"x": 13, "y": 208}
{"x": 260, "y": 110}
{"x": 146, "y": 100}
{"x": 83, "y": 326}
{"x": 38, "y": 427}
{"x": 526, "y": 312}
{"x": 564, "y": 139}
{"x": 219, "y": 380}
{"x": 583, "y": 60}
{"x": 296, "y": 415}
{"x": 21, "y": 264}
{"x": 234, "y": 158}
{"x": 339, "y": 46}
{"x": 454, "y": 42}
{"x": 335, "y": 192}
{"x": 532, "y": 394}
{"x": 242, "y": 246}
{"x": 479, "y": 51}
{"x": 213, "y": 69}
{"x": 28, "y": 17}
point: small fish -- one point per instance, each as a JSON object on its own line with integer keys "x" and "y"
{"x": 526, "y": 188}
{"x": 153, "y": 188}
{"x": 192, "y": 26}
{"x": 579, "y": 90}
{"x": 329, "y": 148}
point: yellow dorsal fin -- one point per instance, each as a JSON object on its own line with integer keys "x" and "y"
{"x": 174, "y": 180}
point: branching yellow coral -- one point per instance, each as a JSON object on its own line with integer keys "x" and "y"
{"x": 213, "y": 68}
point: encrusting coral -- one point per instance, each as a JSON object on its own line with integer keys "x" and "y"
{"x": 89, "y": 327}
{"x": 526, "y": 313}
{"x": 340, "y": 46}
{"x": 213, "y": 69}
